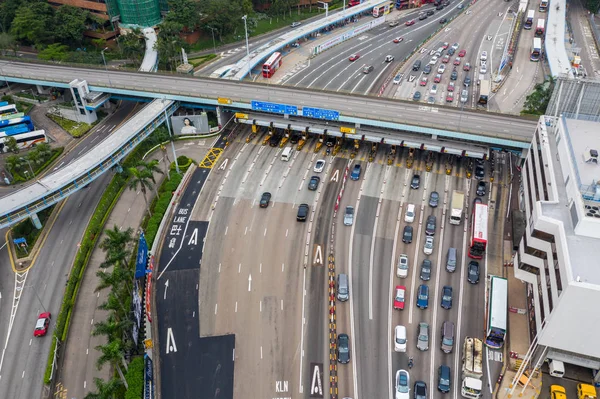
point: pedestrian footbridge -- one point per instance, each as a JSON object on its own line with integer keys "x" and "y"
{"x": 58, "y": 185}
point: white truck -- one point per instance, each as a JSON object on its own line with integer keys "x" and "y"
{"x": 472, "y": 368}
{"x": 457, "y": 206}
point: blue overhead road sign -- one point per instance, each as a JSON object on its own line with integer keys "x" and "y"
{"x": 274, "y": 108}
{"x": 319, "y": 113}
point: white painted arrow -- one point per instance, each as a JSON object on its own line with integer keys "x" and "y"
{"x": 249, "y": 283}
{"x": 166, "y": 286}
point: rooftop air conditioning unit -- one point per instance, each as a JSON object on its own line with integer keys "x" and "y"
{"x": 590, "y": 156}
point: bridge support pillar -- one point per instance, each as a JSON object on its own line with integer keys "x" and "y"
{"x": 223, "y": 116}
{"x": 42, "y": 89}
{"x": 357, "y": 125}
{"x": 79, "y": 91}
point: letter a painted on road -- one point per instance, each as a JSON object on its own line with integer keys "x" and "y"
{"x": 194, "y": 238}
{"x": 335, "y": 176}
{"x": 223, "y": 164}
{"x": 318, "y": 255}
{"x": 171, "y": 346}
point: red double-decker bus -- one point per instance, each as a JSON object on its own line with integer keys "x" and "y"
{"x": 272, "y": 65}
{"x": 353, "y": 3}
{"x": 479, "y": 225}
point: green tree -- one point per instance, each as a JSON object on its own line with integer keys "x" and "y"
{"x": 99, "y": 43}
{"x": 593, "y": 6}
{"x": 169, "y": 44}
{"x": 110, "y": 353}
{"x": 117, "y": 241}
{"x": 185, "y": 13}
{"x": 44, "y": 149}
{"x": 13, "y": 163}
{"x": 33, "y": 23}
{"x": 7, "y": 43}
{"x": 69, "y": 24}
{"x": 225, "y": 17}
{"x": 132, "y": 46}
{"x": 537, "y": 102}
{"x": 35, "y": 157}
{"x": 8, "y": 9}
{"x": 55, "y": 52}
{"x": 12, "y": 146}
{"x": 143, "y": 180}
{"x": 111, "y": 328}
{"x": 152, "y": 168}
{"x": 105, "y": 390}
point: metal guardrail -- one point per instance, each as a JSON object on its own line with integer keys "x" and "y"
{"x": 86, "y": 176}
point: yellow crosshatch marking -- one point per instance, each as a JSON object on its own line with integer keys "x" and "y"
{"x": 211, "y": 158}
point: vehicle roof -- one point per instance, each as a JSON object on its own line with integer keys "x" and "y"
{"x": 40, "y": 323}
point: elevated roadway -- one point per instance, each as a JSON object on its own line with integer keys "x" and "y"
{"x": 438, "y": 122}
{"x": 60, "y": 184}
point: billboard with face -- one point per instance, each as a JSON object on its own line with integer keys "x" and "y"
{"x": 190, "y": 124}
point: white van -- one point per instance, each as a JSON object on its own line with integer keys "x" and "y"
{"x": 287, "y": 154}
{"x": 410, "y": 213}
{"x": 400, "y": 339}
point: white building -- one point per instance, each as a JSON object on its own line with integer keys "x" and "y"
{"x": 559, "y": 255}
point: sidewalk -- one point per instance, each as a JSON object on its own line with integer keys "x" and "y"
{"x": 78, "y": 369}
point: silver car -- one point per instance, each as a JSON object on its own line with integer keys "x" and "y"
{"x": 423, "y": 337}
{"x": 349, "y": 216}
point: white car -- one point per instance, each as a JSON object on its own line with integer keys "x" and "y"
{"x": 409, "y": 217}
{"x": 349, "y": 216}
{"x": 433, "y": 89}
{"x": 464, "y": 96}
{"x": 442, "y": 68}
{"x": 483, "y": 55}
{"x": 397, "y": 79}
{"x": 400, "y": 339}
{"x": 428, "y": 247}
{"x": 483, "y": 68}
{"x": 319, "y": 166}
{"x": 402, "y": 384}
{"x": 433, "y": 60}
{"x": 402, "y": 269}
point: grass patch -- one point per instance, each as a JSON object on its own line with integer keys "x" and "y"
{"x": 27, "y": 230}
{"x": 75, "y": 129}
{"x": 195, "y": 62}
{"x": 19, "y": 174}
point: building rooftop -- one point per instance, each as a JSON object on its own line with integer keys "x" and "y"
{"x": 556, "y": 53}
{"x": 584, "y": 250}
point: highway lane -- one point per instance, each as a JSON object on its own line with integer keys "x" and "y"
{"x": 87, "y": 142}
{"x": 179, "y": 87}
{"x": 253, "y": 282}
{"x": 23, "y": 357}
{"x": 472, "y": 30}
{"x": 331, "y": 70}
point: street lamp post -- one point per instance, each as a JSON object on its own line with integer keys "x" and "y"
{"x": 105, "y": 66}
{"x": 212, "y": 30}
{"x": 28, "y": 163}
{"x": 245, "y": 18}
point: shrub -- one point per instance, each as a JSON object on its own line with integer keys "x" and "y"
{"x": 135, "y": 379}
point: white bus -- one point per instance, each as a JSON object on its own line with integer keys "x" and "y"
{"x": 24, "y": 140}
{"x": 497, "y": 313}
{"x": 536, "y": 49}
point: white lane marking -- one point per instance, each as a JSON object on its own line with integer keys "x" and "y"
{"x": 302, "y": 322}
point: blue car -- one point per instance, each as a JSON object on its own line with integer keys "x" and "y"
{"x": 423, "y": 296}
{"x": 447, "y": 297}
{"x": 355, "y": 172}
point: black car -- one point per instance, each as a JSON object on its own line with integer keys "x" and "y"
{"x": 451, "y": 51}
{"x": 427, "y": 69}
{"x": 420, "y": 390}
{"x": 294, "y": 138}
{"x": 265, "y": 199}
{"x": 314, "y": 183}
{"x": 481, "y": 188}
{"x": 479, "y": 172}
{"x": 415, "y": 182}
{"x": 430, "y": 13}
{"x": 440, "y": 7}
{"x": 443, "y": 20}
{"x": 274, "y": 140}
{"x": 425, "y": 270}
{"x": 473, "y": 272}
{"x": 422, "y": 17}
{"x": 343, "y": 349}
{"x": 467, "y": 81}
{"x": 454, "y": 75}
{"x": 434, "y": 199}
{"x": 447, "y": 297}
{"x": 407, "y": 235}
{"x": 302, "y": 212}
{"x": 330, "y": 141}
{"x": 430, "y": 225}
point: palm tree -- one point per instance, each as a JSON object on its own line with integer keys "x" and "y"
{"x": 35, "y": 157}
{"x": 151, "y": 167}
{"x": 111, "y": 328}
{"x": 114, "y": 303}
{"x": 105, "y": 390}
{"x": 44, "y": 149}
{"x": 13, "y": 162}
{"x": 142, "y": 179}
{"x": 117, "y": 240}
{"x": 166, "y": 160}
{"x": 110, "y": 353}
